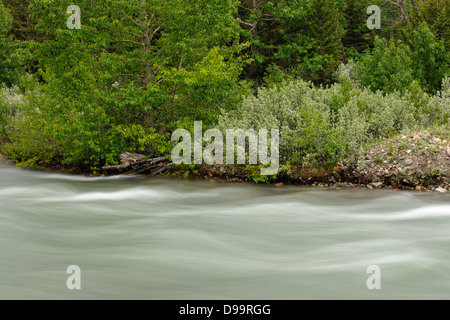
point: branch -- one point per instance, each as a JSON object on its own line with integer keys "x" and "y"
{"x": 132, "y": 20}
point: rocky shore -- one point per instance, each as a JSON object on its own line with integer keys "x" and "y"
{"x": 418, "y": 162}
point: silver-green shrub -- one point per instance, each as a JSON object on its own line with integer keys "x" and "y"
{"x": 323, "y": 125}
{"x": 439, "y": 104}
{"x": 11, "y": 103}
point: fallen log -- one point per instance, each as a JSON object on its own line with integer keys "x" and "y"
{"x": 161, "y": 169}
{"x": 133, "y": 164}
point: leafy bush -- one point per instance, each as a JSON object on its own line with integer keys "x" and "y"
{"x": 438, "y": 106}
{"x": 41, "y": 135}
{"x": 430, "y": 60}
{"x": 11, "y": 103}
{"x": 322, "y": 125}
{"x": 388, "y": 67}
{"x": 394, "y": 65}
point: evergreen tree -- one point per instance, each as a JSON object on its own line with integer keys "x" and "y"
{"x": 23, "y": 25}
{"x": 357, "y": 37}
{"x": 8, "y": 61}
{"x": 325, "y": 33}
{"x": 436, "y": 14}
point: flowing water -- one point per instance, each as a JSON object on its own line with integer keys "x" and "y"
{"x": 164, "y": 238}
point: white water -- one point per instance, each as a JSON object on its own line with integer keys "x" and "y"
{"x": 176, "y": 239}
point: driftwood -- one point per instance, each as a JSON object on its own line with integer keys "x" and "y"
{"x": 134, "y": 165}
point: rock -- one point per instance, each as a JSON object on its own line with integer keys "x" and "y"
{"x": 279, "y": 184}
{"x": 408, "y": 162}
{"x": 416, "y": 138}
{"x": 441, "y": 190}
{"x": 377, "y": 185}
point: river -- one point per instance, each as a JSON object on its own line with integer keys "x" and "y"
{"x": 166, "y": 238}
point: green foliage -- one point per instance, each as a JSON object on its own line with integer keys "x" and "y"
{"x": 394, "y": 65}
{"x": 138, "y": 69}
{"x": 300, "y": 38}
{"x": 23, "y": 25}
{"x": 189, "y": 168}
{"x": 318, "y": 142}
{"x": 126, "y": 77}
{"x": 11, "y": 105}
{"x": 435, "y": 14}
{"x": 254, "y": 175}
{"x": 8, "y": 60}
{"x": 326, "y": 36}
{"x": 357, "y": 37}
{"x": 388, "y": 67}
{"x": 430, "y": 60}
{"x": 438, "y": 107}
{"x": 320, "y": 126}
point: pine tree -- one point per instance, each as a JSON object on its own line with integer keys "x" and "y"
{"x": 23, "y": 25}
{"x": 8, "y": 64}
{"x": 325, "y": 32}
{"x": 357, "y": 37}
{"x": 436, "y": 14}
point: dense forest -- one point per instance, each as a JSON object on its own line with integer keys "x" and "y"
{"x": 137, "y": 70}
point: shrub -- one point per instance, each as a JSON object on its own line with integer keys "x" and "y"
{"x": 393, "y": 65}
{"x": 387, "y": 67}
{"x": 42, "y": 134}
{"x": 431, "y": 61}
{"x": 438, "y": 107}
{"x": 323, "y": 125}
{"x": 11, "y": 103}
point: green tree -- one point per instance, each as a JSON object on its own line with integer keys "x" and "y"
{"x": 430, "y": 59}
{"x": 436, "y": 14}
{"x": 23, "y": 24}
{"x": 131, "y": 73}
{"x": 392, "y": 65}
{"x": 8, "y": 61}
{"x": 294, "y": 38}
{"x": 388, "y": 67}
{"x": 325, "y": 32}
{"x": 357, "y": 37}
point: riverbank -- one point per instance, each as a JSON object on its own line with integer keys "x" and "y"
{"x": 419, "y": 161}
